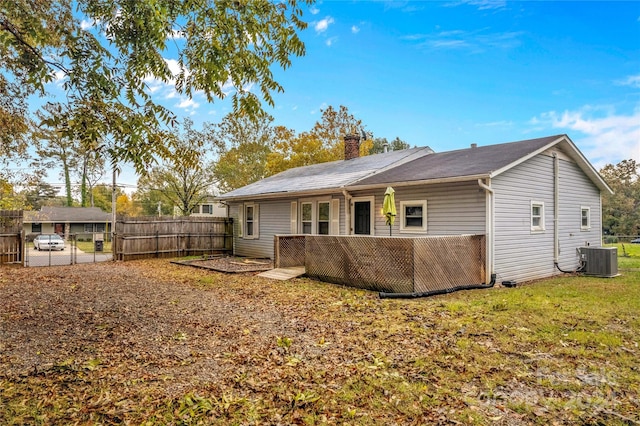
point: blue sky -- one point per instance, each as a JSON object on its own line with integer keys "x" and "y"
{"x": 451, "y": 73}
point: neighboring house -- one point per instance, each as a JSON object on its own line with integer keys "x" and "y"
{"x": 66, "y": 220}
{"x": 536, "y": 201}
{"x": 210, "y": 208}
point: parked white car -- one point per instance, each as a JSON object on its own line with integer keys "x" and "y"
{"x": 48, "y": 242}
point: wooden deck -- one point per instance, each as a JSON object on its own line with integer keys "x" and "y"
{"x": 283, "y": 274}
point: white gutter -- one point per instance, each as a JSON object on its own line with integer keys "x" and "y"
{"x": 489, "y": 227}
{"x": 452, "y": 179}
{"x": 556, "y": 197}
{"x": 347, "y": 211}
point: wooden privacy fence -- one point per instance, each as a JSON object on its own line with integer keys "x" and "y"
{"x": 142, "y": 238}
{"x": 390, "y": 264}
{"x": 11, "y": 236}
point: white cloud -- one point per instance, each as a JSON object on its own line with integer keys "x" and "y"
{"x": 480, "y": 4}
{"x": 355, "y": 29}
{"x": 87, "y": 24}
{"x": 314, "y": 10}
{"x": 331, "y": 40}
{"x": 187, "y": 103}
{"x": 323, "y": 24}
{"x": 604, "y": 136}
{"x": 632, "y": 80}
{"x": 176, "y": 34}
{"x": 474, "y": 41}
{"x": 59, "y": 75}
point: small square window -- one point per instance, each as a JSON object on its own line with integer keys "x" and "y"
{"x": 36, "y": 228}
{"x": 207, "y": 209}
{"x": 413, "y": 216}
{"x": 537, "y": 216}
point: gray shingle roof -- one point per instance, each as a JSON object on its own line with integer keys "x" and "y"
{"x": 67, "y": 214}
{"x": 412, "y": 165}
{"x": 335, "y": 174}
{"x": 479, "y": 161}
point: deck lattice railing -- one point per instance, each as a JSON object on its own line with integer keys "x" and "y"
{"x": 388, "y": 264}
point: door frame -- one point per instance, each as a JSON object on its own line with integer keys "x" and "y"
{"x": 372, "y": 203}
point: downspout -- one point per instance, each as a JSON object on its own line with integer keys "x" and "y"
{"x": 490, "y": 276}
{"x": 489, "y": 226}
{"x": 556, "y": 219}
{"x": 347, "y": 211}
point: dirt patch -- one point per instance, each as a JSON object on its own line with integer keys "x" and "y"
{"x": 229, "y": 264}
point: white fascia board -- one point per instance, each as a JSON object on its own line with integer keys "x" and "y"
{"x": 277, "y": 195}
{"x": 525, "y": 158}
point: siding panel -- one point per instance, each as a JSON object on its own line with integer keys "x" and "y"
{"x": 523, "y": 255}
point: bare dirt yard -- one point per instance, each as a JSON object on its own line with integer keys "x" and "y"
{"x": 151, "y": 342}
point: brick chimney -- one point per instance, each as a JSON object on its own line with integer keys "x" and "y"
{"x": 351, "y": 146}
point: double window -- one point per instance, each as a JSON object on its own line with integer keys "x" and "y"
{"x": 315, "y": 217}
{"x": 413, "y": 216}
{"x": 315, "y": 221}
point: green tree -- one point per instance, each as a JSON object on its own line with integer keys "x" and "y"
{"x": 38, "y": 193}
{"x": 10, "y": 199}
{"x": 395, "y": 145}
{"x": 60, "y": 151}
{"x": 243, "y": 144}
{"x": 218, "y": 45}
{"x": 102, "y": 196}
{"x": 185, "y": 178}
{"x": 621, "y": 210}
{"x": 324, "y": 142}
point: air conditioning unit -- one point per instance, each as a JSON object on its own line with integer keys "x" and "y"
{"x": 600, "y": 261}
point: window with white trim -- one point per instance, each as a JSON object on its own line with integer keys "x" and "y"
{"x": 413, "y": 216}
{"x": 323, "y": 217}
{"x": 306, "y": 218}
{"x": 36, "y": 228}
{"x": 250, "y": 221}
{"x": 585, "y": 218}
{"x": 537, "y": 216}
{"x": 207, "y": 209}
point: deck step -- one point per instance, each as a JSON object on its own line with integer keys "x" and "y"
{"x": 283, "y": 273}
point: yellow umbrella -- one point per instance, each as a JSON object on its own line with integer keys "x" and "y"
{"x": 389, "y": 207}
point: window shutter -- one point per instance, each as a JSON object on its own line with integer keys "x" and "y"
{"x": 256, "y": 221}
{"x": 294, "y": 218}
{"x": 240, "y": 220}
{"x": 335, "y": 217}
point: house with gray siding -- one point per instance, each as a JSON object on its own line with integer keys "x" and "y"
{"x": 66, "y": 220}
{"x": 536, "y": 202}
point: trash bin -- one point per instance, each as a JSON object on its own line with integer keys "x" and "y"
{"x": 98, "y": 245}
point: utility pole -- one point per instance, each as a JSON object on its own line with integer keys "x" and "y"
{"x": 159, "y": 208}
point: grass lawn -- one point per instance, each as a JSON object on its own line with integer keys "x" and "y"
{"x": 89, "y": 247}
{"x": 149, "y": 342}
